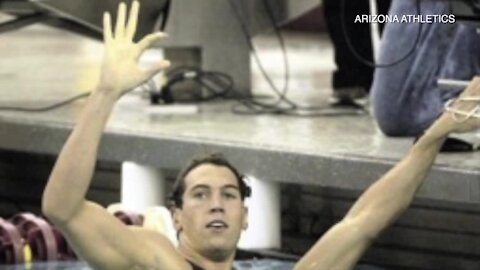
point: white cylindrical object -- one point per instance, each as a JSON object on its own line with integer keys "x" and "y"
{"x": 264, "y": 224}
{"x": 375, "y": 30}
{"x": 142, "y": 187}
{"x": 452, "y": 84}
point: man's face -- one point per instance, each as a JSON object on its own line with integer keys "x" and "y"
{"x": 213, "y": 214}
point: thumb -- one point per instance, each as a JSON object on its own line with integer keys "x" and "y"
{"x": 157, "y": 68}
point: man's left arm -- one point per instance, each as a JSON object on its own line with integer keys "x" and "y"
{"x": 383, "y": 202}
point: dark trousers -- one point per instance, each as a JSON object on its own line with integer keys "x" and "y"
{"x": 406, "y": 98}
{"x": 350, "y": 71}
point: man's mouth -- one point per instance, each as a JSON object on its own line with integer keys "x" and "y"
{"x": 217, "y": 224}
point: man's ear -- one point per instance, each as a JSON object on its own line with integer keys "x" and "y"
{"x": 245, "y": 218}
{"x": 177, "y": 218}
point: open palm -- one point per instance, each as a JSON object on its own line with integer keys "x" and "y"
{"x": 120, "y": 69}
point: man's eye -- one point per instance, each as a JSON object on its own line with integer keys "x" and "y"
{"x": 229, "y": 195}
{"x": 199, "y": 195}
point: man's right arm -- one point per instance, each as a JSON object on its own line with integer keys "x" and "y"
{"x": 96, "y": 235}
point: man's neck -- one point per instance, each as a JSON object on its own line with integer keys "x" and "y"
{"x": 204, "y": 261}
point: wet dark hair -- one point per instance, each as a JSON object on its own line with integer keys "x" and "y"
{"x": 175, "y": 198}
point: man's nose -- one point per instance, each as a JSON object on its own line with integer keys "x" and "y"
{"x": 217, "y": 203}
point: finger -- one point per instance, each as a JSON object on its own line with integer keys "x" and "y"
{"x": 120, "y": 25}
{"x": 163, "y": 64}
{"x": 132, "y": 20}
{"x": 107, "y": 27}
{"x": 150, "y": 40}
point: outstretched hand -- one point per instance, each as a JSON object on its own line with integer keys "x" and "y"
{"x": 463, "y": 113}
{"x": 120, "y": 69}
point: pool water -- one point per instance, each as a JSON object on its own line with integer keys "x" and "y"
{"x": 260, "y": 264}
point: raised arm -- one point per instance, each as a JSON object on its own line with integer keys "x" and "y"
{"x": 98, "y": 237}
{"x": 383, "y": 202}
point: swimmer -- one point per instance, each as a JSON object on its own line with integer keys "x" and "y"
{"x": 208, "y": 211}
